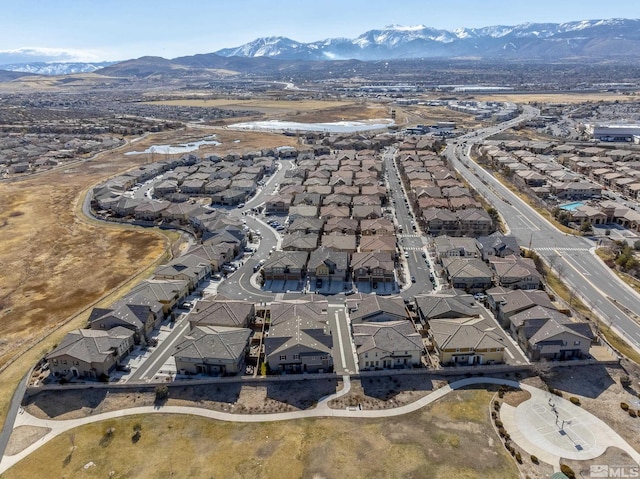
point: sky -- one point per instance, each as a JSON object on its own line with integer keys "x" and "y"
{"x": 109, "y": 30}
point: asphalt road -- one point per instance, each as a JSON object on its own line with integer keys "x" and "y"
{"x": 161, "y": 353}
{"x": 12, "y": 413}
{"x": 238, "y": 285}
{"x": 410, "y": 240}
{"x": 569, "y": 255}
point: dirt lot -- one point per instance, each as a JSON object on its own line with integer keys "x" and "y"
{"x": 261, "y": 397}
{"x": 450, "y": 438}
{"x": 239, "y": 398}
{"x": 611, "y": 457}
{"x": 55, "y": 263}
{"x": 386, "y": 392}
{"x": 564, "y": 97}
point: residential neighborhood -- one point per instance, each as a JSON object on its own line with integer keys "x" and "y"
{"x": 336, "y": 236}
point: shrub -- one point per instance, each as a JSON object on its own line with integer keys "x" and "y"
{"x": 501, "y": 394}
{"x": 535, "y": 459}
{"x": 502, "y": 431}
{"x": 632, "y": 413}
{"x": 575, "y": 400}
{"x": 162, "y": 393}
{"x": 567, "y": 471}
{"x": 498, "y": 423}
{"x": 519, "y": 458}
{"x": 625, "y": 381}
{"x": 624, "y": 406}
{"x": 494, "y": 415}
{"x": 557, "y": 392}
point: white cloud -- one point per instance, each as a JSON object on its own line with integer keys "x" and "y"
{"x": 43, "y": 54}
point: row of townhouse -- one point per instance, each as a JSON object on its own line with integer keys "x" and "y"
{"x": 460, "y": 332}
{"x": 443, "y": 204}
{"x": 299, "y": 338}
{"x": 475, "y": 265}
{"x": 112, "y": 332}
{"x": 606, "y": 212}
{"x": 330, "y": 265}
{"x": 570, "y": 172}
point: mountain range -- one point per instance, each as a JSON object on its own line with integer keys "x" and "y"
{"x": 587, "y": 38}
{"x": 593, "y": 40}
{"x": 55, "y": 68}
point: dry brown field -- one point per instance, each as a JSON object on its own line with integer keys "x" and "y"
{"x": 267, "y": 105}
{"x": 572, "y": 98}
{"x": 305, "y": 111}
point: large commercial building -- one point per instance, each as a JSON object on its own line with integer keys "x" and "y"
{"x": 613, "y": 132}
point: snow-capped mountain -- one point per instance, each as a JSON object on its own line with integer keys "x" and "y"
{"x": 592, "y": 38}
{"x": 62, "y": 68}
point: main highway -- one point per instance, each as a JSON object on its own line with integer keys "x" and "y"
{"x": 572, "y": 257}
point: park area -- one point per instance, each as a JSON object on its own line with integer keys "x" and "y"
{"x": 451, "y": 438}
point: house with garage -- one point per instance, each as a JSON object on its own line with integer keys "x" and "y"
{"x": 469, "y": 274}
{"x": 373, "y": 267}
{"x": 387, "y": 345}
{"x": 466, "y": 341}
{"x": 545, "y": 333}
{"x": 285, "y": 266}
{"x": 89, "y": 353}
{"x": 299, "y": 338}
{"x": 326, "y": 265}
{"x": 221, "y": 311}
{"x": 375, "y": 308}
{"x": 167, "y": 292}
{"x": 140, "y": 319}
{"x": 212, "y": 350}
{"x": 515, "y": 272}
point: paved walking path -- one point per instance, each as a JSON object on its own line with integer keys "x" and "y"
{"x": 532, "y": 424}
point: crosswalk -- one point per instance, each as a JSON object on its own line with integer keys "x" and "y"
{"x": 413, "y": 248}
{"x": 410, "y": 236}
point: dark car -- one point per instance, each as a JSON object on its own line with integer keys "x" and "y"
{"x": 413, "y": 279}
